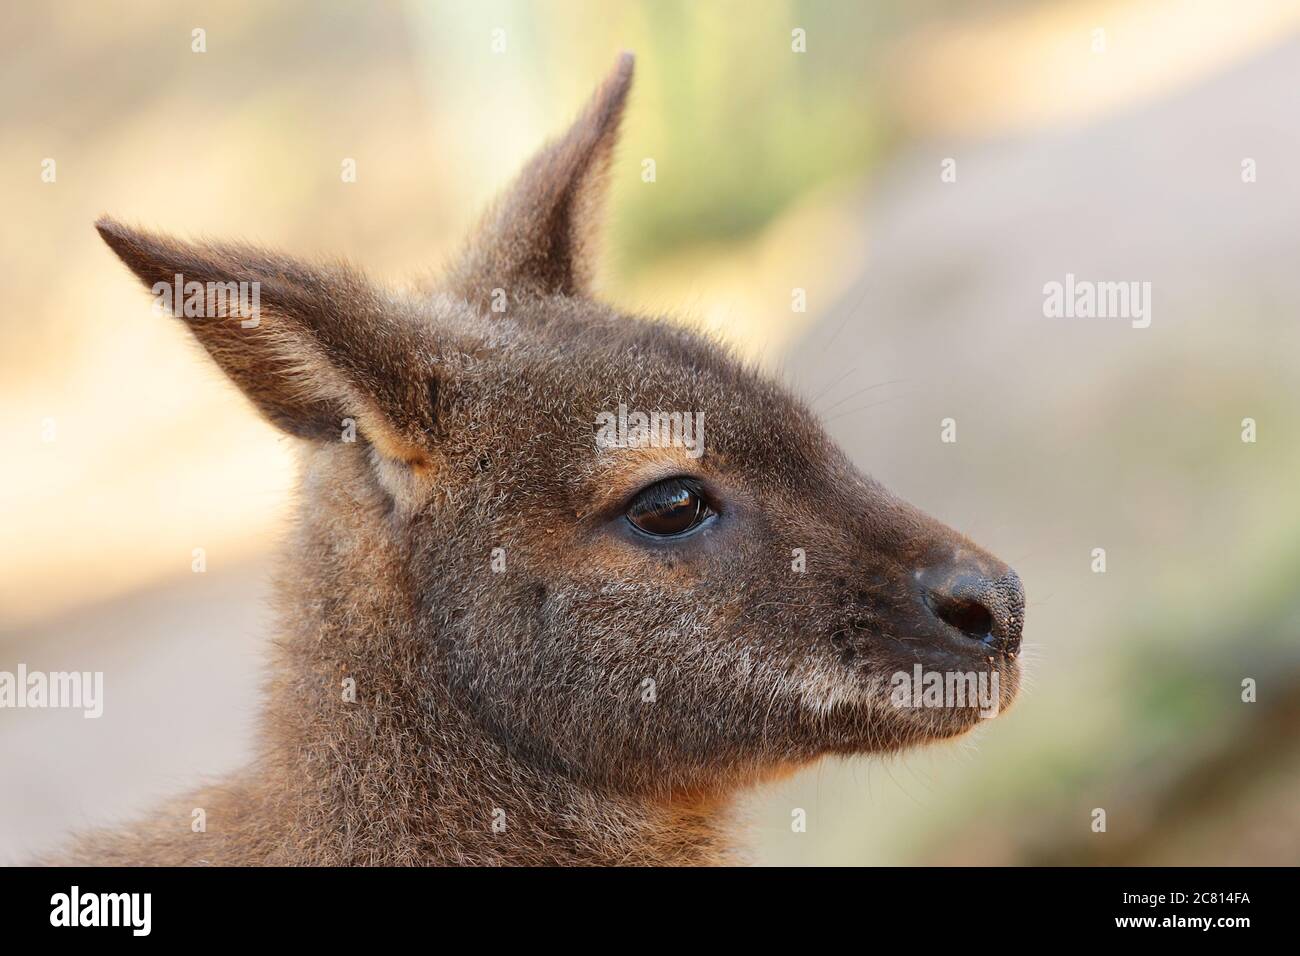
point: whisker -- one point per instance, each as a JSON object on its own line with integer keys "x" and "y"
{"x": 835, "y": 381}
{"x": 863, "y": 408}
{"x": 861, "y": 391}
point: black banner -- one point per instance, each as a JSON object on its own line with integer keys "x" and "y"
{"x": 927, "y": 905}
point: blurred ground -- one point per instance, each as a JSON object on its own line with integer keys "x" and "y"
{"x": 775, "y": 172}
{"x": 182, "y": 678}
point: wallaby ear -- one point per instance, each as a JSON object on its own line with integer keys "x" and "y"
{"x": 540, "y": 236}
{"x": 311, "y": 346}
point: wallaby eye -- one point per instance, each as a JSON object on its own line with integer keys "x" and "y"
{"x": 669, "y": 508}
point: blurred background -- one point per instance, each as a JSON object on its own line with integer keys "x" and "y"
{"x": 1113, "y": 155}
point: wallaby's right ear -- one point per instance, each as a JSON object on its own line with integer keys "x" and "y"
{"x": 317, "y": 347}
{"x": 540, "y": 237}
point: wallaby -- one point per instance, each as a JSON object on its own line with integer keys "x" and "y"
{"x": 506, "y": 639}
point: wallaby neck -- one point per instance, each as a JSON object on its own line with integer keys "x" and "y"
{"x": 376, "y": 764}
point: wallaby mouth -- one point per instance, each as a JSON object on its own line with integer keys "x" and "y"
{"x": 940, "y": 643}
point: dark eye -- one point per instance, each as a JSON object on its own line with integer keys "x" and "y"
{"x": 669, "y": 508}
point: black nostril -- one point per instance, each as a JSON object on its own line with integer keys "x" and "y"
{"x": 965, "y": 614}
{"x": 982, "y": 608}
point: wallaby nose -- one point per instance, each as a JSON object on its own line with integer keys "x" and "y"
{"x": 983, "y": 608}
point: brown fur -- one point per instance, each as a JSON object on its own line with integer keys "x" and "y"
{"x": 522, "y": 691}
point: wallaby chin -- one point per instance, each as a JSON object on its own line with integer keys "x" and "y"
{"x": 563, "y": 581}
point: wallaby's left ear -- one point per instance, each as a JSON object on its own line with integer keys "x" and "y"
{"x": 322, "y": 349}
{"x": 540, "y": 236}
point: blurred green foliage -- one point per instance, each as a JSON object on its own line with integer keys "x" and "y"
{"x": 756, "y": 132}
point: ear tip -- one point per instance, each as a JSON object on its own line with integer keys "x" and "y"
{"x": 605, "y": 108}
{"x": 112, "y": 231}
{"x": 137, "y": 248}
{"x": 624, "y": 67}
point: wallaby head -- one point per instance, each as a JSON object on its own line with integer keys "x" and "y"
{"x": 504, "y": 554}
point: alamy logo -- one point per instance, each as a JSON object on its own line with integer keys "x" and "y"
{"x": 624, "y": 429}
{"x": 103, "y": 909}
{"x": 209, "y": 300}
{"x": 73, "y": 690}
{"x": 946, "y": 689}
{"x": 1083, "y": 299}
